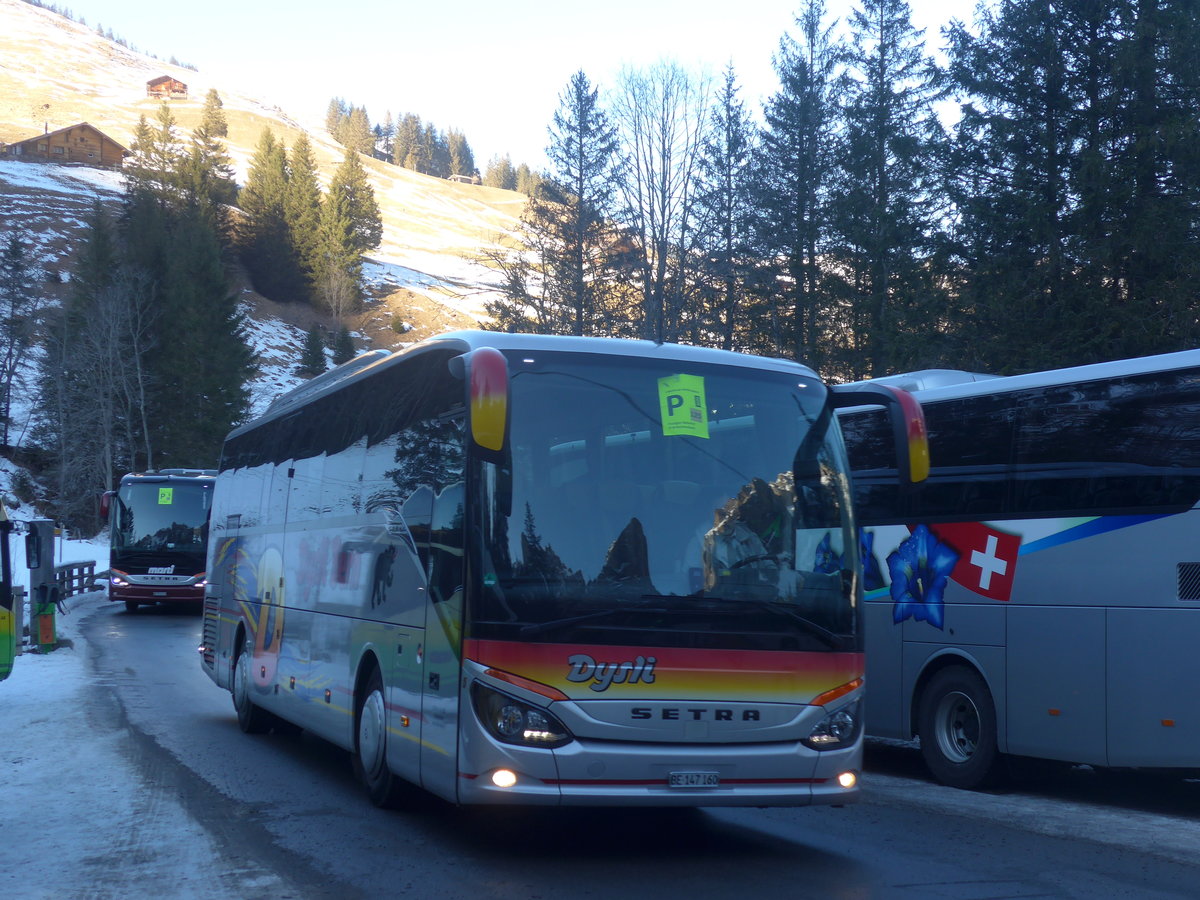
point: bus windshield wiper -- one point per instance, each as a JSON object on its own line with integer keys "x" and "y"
{"x": 645, "y": 604}
{"x": 834, "y": 640}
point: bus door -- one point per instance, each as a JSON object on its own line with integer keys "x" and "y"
{"x": 301, "y": 584}
{"x": 398, "y": 590}
{"x": 443, "y": 642}
{"x": 266, "y": 621}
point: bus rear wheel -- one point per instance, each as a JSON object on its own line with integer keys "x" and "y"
{"x": 252, "y": 719}
{"x": 131, "y": 606}
{"x": 370, "y": 745}
{"x": 956, "y": 722}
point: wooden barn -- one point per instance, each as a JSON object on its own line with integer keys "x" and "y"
{"x": 82, "y": 144}
{"x": 166, "y": 88}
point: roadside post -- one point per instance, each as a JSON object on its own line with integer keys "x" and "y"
{"x": 9, "y": 627}
{"x": 43, "y": 586}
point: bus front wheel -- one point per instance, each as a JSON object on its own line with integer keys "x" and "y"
{"x": 957, "y": 726}
{"x": 370, "y": 745}
{"x": 251, "y": 719}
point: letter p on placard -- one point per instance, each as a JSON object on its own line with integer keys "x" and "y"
{"x": 682, "y": 406}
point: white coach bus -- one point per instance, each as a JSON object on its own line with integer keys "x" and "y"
{"x": 551, "y": 570}
{"x": 1039, "y": 594}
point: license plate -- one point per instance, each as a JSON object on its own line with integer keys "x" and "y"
{"x": 160, "y": 593}
{"x": 693, "y": 779}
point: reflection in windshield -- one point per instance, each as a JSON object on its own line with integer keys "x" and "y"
{"x": 608, "y": 509}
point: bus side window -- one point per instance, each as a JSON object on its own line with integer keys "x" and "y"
{"x": 446, "y": 543}
{"x": 418, "y": 516}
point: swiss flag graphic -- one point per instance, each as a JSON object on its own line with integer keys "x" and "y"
{"x": 987, "y": 558}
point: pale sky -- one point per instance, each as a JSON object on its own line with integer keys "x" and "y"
{"x": 493, "y": 71}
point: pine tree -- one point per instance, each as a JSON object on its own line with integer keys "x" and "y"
{"x": 530, "y": 183}
{"x": 336, "y": 115}
{"x": 435, "y": 153}
{"x": 356, "y": 133}
{"x": 387, "y": 137}
{"x": 791, "y": 190}
{"x": 265, "y": 240}
{"x": 572, "y": 236}
{"x": 887, "y": 208}
{"x": 302, "y": 209}
{"x": 500, "y": 173}
{"x": 1015, "y": 186}
{"x": 366, "y": 223}
{"x": 339, "y": 265}
{"x": 343, "y": 346}
{"x": 462, "y": 160}
{"x": 312, "y": 355}
{"x": 154, "y": 163}
{"x": 406, "y": 148}
{"x": 199, "y": 358}
{"x": 209, "y": 183}
{"x": 212, "y": 117}
{"x": 725, "y": 206}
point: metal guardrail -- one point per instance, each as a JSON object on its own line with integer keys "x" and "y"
{"x": 75, "y": 578}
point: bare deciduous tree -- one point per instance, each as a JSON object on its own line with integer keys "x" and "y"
{"x": 661, "y": 114}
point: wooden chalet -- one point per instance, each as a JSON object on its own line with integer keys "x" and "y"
{"x": 81, "y": 144}
{"x": 164, "y": 87}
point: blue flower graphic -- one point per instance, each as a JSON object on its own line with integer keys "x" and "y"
{"x": 920, "y": 569}
{"x": 825, "y": 560}
{"x": 872, "y": 575}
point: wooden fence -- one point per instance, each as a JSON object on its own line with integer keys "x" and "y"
{"x": 75, "y": 578}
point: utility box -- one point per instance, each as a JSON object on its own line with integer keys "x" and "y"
{"x": 43, "y": 586}
{"x": 10, "y": 620}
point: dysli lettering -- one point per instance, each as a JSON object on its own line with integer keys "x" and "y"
{"x": 604, "y": 674}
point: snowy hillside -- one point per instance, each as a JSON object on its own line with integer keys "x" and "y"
{"x": 429, "y": 271}
{"x": 429, "y": 274}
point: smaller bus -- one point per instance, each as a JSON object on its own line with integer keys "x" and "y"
{"x": 159, "y": 536}
{"x": 1038, "y": 596}
{"x": 552, "y": 570}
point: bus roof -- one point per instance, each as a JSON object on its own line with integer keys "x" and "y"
{"x": 924, "y": 379}
{"x": 1072, "y": 375}
{"x": 466, "y": 341}
{"x": 160, "y": 475}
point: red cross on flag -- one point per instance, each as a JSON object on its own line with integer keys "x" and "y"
{"x": 987, "y": 557}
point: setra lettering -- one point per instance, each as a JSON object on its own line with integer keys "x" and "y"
{"x": 694, "y": 714}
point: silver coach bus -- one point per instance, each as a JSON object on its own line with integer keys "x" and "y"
{"x": 1039, "y": 595}
{"x": 551, "y": 570}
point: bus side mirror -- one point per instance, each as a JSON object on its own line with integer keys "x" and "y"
{"x": 106, "y": 505}
{"x": 486, "y": 373}
{"x": 908, "y": 422}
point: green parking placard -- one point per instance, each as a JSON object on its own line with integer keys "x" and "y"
{"x": 682, "y": 405}
{"x": 166, "y": 496}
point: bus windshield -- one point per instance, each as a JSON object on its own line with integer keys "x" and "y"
{"x": 619, "y": 521}
{"x": 163, "y": 520}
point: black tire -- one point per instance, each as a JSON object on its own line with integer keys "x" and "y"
{"x": 370, "y": 745}
{"x": 956, "y": 722}
{"x": 131, "y": 606}
{"x": 251, "y": 719}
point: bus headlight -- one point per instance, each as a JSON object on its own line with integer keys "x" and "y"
{"x": 118, "y": 578}
{"x": 839, "y": 729}
{"x": 514, "y": 721}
